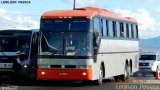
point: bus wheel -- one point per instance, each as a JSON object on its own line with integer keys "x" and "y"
{"x": 100, "y": 79}
{"x": 126, "y": 74}
{"x": 116, "y": 78}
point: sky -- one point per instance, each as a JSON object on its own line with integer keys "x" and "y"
{"x": 18, "y": 15}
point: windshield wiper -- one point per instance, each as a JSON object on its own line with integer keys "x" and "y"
{"x": 48, "y": 43}
{"x": 3, "y": 54}
{"x": 47, "y": 53}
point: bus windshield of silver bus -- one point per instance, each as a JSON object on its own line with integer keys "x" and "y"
{"x": 147, "y": 57}
{"x": 13, "y": 41}
{"x": 66, "y": 43}
{"x": 66, "y": 24}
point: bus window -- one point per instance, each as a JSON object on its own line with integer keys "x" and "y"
{"x": 158, "y": 57}
{"x": 104, "y": 28}
{"x": 148, "y": 57}
{"x": 136, "y": 31}
{"x": 66, "y": 43}
{"x": 121, "y": 30}
{"x": 65, "y": 24}
{"x": 107, "y": 28}
{"x": 132, "y": 31}
{"x": 96, "y": 24}
{"x": 127, "y": 30}
{"x": 110, "y": 28}
{"x": 101, "y": 27}
{"x": 114, "y": 28}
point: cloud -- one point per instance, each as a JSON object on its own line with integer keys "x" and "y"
{"x": 157, "y": 10}
{"x": 141, "y": 0}
{"x": 14, "y": 19}
{"x": 148, "y": 25}
{"x": 82, "y": 3}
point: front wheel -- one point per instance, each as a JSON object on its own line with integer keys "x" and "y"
{"x": 100, "y": 79}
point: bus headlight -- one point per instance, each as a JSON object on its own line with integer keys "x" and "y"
{"x": 25, "y": 66}
{"x": 84, "y": 74}
{"x": 42, "y": 73}
{"x": 152, "y": 63}
{"x": 84, "y": 66}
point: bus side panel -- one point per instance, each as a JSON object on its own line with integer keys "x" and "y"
{"x": 114, "y": 54}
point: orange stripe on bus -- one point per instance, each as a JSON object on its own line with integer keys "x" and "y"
{"x": 53, "y": 74}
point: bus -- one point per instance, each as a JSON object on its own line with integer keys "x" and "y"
{"x": 88, "y": 44}
{"x": 18, "y": 54}
{"x": 149, "y": 63}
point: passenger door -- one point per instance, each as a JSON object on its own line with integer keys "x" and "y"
{"x": 34, "y": 55}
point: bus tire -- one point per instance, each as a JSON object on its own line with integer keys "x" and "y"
{"x": 126, "y": 74}
{"x": 131, "y": 73}
{"x": 116, "y": 78}
{"x": 154, "y": 74}
{"x": 100, "y": 79}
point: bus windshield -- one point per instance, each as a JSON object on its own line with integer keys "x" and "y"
{"x": 148, "y": 57}
{"x": 66, "y": 43}
{"x": 15, "y": 41}
{"x": 66, "y": 24}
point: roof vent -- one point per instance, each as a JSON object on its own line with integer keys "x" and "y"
{"x": 80, "y": 9}
{"x": 128, "y": 17}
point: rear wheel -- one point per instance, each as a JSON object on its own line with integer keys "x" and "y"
{"x": 126, "y": 74}
{"x": 100, "y": 79}
{"x": 116, "y": 78}
{"x": 154, "y": 74}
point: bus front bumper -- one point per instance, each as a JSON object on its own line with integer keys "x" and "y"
{"x": 61, "y": 74}
{"x": 6, "y": 73}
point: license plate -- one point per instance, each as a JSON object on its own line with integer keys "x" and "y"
{"x": 6, "y": 65}
{"x": 63, "y": 74}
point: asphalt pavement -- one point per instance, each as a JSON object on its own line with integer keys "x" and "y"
{"x": 139, "y": 82}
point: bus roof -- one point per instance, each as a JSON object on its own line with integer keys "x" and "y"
{"x": 85, "y": 12}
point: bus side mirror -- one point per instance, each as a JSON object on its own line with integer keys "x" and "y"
{"x": 96, "y": 38}
{"x": 35, "y": 39}
{"x": 18, "y": 53}
{"x": 96, "y": 42}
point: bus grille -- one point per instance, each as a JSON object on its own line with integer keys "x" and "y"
{"x": 70, "y": 66}
{"x": 55, "y": 66}
{"x": 64, "y": 66}
{"x": 143, "y": 64}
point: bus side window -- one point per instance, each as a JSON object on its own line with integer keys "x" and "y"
{"x": 96, "y": 24}
{"x": 34, "y": 47}
{"x": 158, "y": 57}
{"x": 127, "y": 30}
{"x": 101, "y": 27}
{"x": 132, "y": 31}
{"x": 104, "y": 28}
{"x": 137, "y": 31}
{"x": 114, "y": 27}
{"x": 107, "y": 28}
{"x": 121, "y": 29}
{"x": 110, "y": 28}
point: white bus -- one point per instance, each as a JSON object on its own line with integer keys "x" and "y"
{"x": 149, "y": 62}
{"x": 87, "y": 44}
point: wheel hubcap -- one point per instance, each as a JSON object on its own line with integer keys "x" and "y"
{"x": 100, "y": 76}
